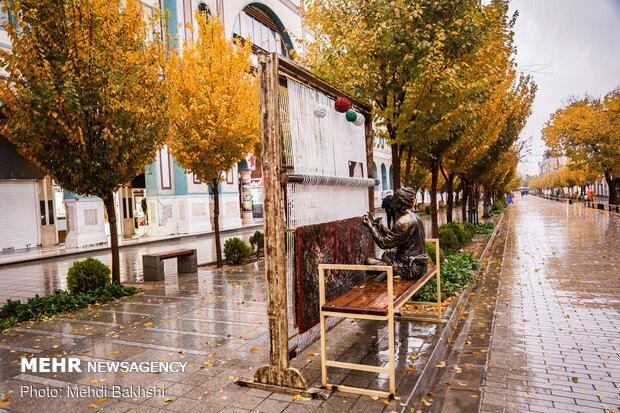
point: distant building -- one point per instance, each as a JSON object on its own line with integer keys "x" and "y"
{"x": 551, "y": 163}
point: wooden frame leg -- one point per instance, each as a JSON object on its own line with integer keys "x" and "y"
{"x": 323, "y": 351}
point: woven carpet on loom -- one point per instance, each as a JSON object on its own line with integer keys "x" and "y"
{"x": 338, "y": 242}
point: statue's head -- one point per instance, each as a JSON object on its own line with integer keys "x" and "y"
{"x": 404, "y": 198}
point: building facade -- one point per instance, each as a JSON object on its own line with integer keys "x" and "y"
{"x": 167, "y": 199}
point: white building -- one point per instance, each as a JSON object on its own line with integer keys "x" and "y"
{"x": 176, "y": 202}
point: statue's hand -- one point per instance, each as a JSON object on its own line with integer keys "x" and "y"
{"x": 367, "y": 220}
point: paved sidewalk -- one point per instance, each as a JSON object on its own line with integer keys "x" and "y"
{"x": 45, "y": 270}
{"x": 43, "y": 277}
{"x": 60, "y": 250}
{"x": 215, "y": 321}
{"x": 542, "y": 329}
{"x": 556, "y": 339}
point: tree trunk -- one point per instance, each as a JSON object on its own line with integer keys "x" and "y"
{"x": 473, "y": 199}
{"x": 396, "y": 166}
{"x": 108, "y": 202}
{"x": 408, "y": 166}
{"x": 487, "y": 202}
{"x": 456, "y": 197}
{"x": 612, "y": 188}
{"x": 465, "y": 185}
{"x": 216, "y": 224}
{"x": 450, "y": 201}
{"x": 434, "y": 179}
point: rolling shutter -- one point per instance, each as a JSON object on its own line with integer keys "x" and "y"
{"x": 19, "y": 215}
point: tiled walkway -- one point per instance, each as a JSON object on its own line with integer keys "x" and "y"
{"x": 24, "y": 280}
{"x": 556, "y": 337}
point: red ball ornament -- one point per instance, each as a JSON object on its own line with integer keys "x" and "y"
{"x": 342, "y": 105}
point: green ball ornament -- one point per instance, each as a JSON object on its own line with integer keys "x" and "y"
{"x": 351, "y": 115}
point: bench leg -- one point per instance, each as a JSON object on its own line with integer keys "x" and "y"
{"x": 392, "y": 337}
{"x": 323, "y": 351}
{"x": 188, "y": 263}
{"x": 152, "y": 268}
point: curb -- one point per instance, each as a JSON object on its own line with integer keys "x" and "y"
{"x": 128, "y": 246}
{"x": 421, "y": 386}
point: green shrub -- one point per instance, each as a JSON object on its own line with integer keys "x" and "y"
{"x": 469, "y": 229}
{"x": 427, "y": 209}
{"x": 257, "y": 241}
{"x": 36, "y": 308}
{"x": 447, "y": 239}
{"x": 485, "y": 228}
{"x": 432, "y": 253}
{"x": 461, "y": 236}
{"x": 499, "y": 206}
{"x": 236, "y": 251}
{"x": 457, "y": 270}
{"x": 86, "y": 275}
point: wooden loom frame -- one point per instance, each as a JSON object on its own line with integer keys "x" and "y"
{"x": 390, "y": 317}
{"x": 278, "y": 375}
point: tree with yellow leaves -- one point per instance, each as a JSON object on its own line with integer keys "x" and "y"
{"x": 214, "y": 101}
{"x": 398, "y": 54}
{"x": 84, "y": 95}
{"x": 587, "y": 131}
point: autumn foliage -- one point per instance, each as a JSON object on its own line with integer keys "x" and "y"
{"x": 214, "y": 105}
{"x": 587, "y": 131}
{"x": 84, "y": 95}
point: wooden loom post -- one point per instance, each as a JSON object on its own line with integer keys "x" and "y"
{"x": 278, "y": 372}
{"x": 369, "y": 159}
{"x": 370, "y": 147}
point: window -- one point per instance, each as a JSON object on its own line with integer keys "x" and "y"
{"x": 383, "y": 177}
{"x": 391, "y": 177}
{"x": 253, "y": 22}
{"x": 374, "y": 174}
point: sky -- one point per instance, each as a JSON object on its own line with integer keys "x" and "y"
{"x": 571, "y": 47}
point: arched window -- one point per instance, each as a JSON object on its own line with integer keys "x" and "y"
{"x": 259, "y": 23}
{"x": 374, "y": 174}
{"x": 391, "y": 177}
{"x": 384, "y": 182}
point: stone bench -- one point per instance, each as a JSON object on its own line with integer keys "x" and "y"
{"x": 153, "y": 264}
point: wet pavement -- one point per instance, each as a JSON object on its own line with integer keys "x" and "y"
{"x": 46, "y": 271}
{"x": 216, "y": 322}
{"x": 140, "y": 238}
{"x": 213, "y": 320}
{"x": 541, "y": 331}
{"x": 43, "y": 277}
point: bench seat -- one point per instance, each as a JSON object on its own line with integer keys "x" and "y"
{"x": 371, "y": 297}
{"x": 153, "y": 265}
{"x": 173, "y": 254}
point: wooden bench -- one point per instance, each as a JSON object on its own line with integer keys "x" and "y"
{"x": 373, "y": 301}
{"x": 153, "y": 264}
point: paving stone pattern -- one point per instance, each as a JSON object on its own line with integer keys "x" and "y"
{"x": 556, "y": 336}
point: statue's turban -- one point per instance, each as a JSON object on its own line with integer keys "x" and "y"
{"x": 404, "y": 198}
